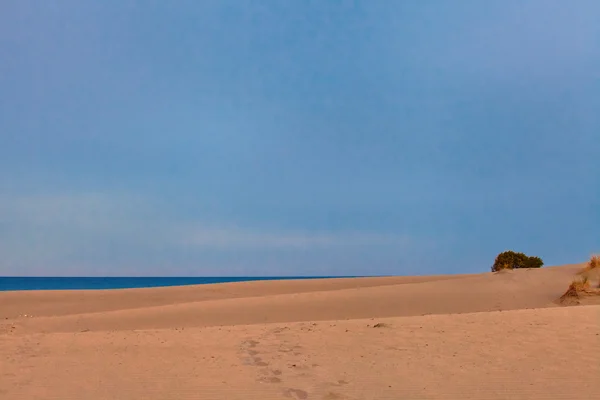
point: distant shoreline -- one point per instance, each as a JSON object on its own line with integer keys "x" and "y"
{"x": 16, "y": 283}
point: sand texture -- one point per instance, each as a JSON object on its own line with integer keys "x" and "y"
{"x": 484, "y": 336}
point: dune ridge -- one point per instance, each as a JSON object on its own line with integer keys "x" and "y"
{"x": 478, "y": 336}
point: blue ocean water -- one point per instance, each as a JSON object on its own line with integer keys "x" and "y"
{"x": 79, "y": 283}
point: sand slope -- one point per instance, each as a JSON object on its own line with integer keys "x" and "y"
{"x": 284, "y": 301}
{"x": 306, "y": 340}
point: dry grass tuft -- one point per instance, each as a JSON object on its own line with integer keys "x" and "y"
{"x": 592, "y": 265}
{"x": 571, "y": 296}
{"x": 592, "y": 270}
{"x": 581, "y": 285}
{"x": 594, "y": 262}
{"x": 578, "y": 289}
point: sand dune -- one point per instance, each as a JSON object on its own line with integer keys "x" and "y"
{"x": 443, "y": 337}
{"x": 53, "y": 303}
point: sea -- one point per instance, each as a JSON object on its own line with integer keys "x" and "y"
{"x": 13, "y": 283}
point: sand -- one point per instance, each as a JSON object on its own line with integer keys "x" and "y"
{"x": 484, "y": 336}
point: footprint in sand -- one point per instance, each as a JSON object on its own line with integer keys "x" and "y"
{"x": 274, "y": 378}
{"x": 284, "y": 348}
{"x": 259, "y": 362}
{"x": 248, "y": 347}
{"x": 255, "y": 362}
{"x": 335, "y": 396}
{"x": 296, "y": 394}
{"x": 269, "y": 379}
{"x": 278, "y": 331}
{"x": 251, "y": 343}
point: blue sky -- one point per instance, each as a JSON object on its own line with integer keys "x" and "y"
{"x": 242, "y": 137}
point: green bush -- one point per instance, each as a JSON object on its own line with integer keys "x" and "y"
{"x": 512, "y": 260}
{"x": 533, "y": 262}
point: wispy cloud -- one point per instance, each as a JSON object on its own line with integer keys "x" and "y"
{"x": 121, "y": 215}
{"x": 240, "y": 238}
{"x": 48, "y": 231}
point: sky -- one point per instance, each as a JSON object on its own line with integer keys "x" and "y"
{"x": 253, "y": 137}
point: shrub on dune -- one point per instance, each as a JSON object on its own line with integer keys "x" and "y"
{"x": 513, "y": 260}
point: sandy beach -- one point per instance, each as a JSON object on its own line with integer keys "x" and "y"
{"x": 483, "y": 336}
